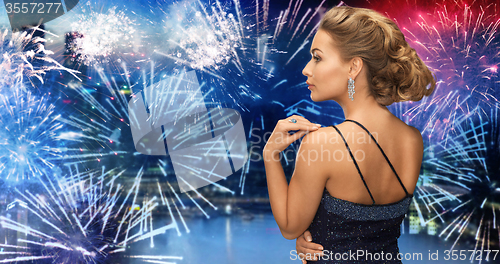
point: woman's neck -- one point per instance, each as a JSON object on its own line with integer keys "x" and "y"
{"x": 362, "y": 108}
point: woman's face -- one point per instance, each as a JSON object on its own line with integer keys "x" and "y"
{"x": 326, "y": 73}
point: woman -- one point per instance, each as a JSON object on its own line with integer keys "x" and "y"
{"x": 353, "y": 182}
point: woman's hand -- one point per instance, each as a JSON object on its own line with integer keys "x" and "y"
{"x": 310, "y": 250}
{"x": 280, "y": 139}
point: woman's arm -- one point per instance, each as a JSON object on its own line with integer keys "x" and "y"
{"x": 277, "y": 186}
{"x": 294, "y": 206}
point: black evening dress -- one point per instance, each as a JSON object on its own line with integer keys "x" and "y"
{"x": 358, "y": 233}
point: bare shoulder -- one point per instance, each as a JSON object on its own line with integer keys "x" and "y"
{"x": 320, "y": 137}
{"x": 312, "y": 154}
{"x": 408, "y": 134}
{"x": 415, "y": 139}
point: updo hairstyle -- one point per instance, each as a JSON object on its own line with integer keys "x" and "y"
{"x": 395, "y": 72}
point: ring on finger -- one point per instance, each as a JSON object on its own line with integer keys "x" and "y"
{"x": 293, "y": 120}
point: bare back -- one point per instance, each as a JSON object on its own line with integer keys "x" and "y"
{"x": 402, "y": 145}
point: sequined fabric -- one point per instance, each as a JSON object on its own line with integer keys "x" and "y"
{"x": 362, "y": 212}
{"x": 344, "y": 227}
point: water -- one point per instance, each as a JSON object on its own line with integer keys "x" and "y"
{"x": 233, "y": 240}
{"x": 230, "y": 240}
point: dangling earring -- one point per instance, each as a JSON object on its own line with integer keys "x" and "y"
{"x": 350, "y": 88}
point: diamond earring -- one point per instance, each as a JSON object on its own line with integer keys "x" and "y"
{"x": 350, "y": 88}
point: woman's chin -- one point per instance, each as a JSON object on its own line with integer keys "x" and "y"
{"x": 314, "y": 98}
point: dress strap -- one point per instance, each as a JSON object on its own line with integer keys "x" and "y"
{"x": 355, "y": 163}
{"x": 385, "y": 156}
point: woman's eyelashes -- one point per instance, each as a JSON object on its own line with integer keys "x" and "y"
{"x": 316, "y": 58}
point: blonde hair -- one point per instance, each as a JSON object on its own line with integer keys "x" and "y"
{"x": 395, "y": 72}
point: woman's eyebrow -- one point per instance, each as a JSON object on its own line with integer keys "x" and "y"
{"x": 316, "y": 49}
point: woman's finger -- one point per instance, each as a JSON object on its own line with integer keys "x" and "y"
{"x": 307, "y": 236}
{"x": 298, "y": 135}
{"x": 308, "y": 250}
{"x": 310, "y": 247}
{"x": 302, "y": 241}
{"x": 294, "y": 137}
{"x": 301, "y": 119}
{"x": 288, "y": 126}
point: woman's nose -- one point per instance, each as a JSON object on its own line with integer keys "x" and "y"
{"x": 306, "y": 71}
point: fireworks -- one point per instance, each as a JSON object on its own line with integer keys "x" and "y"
{"x": 210, "y": 41}
{"x": 23, "y": 57}
{"x": 29, "y": 131}
{"x": 96, "y": 35}
{"x": 114, "y": 119}
{"x": 30, "y": 128}
{"x": 461, "y": 189}
{"x": 83, "y": 219}
{"x": 457, "y": 42}
{"x": 239, "y": 54}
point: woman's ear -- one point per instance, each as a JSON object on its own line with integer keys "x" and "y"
{"x": 356, "y": 65}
